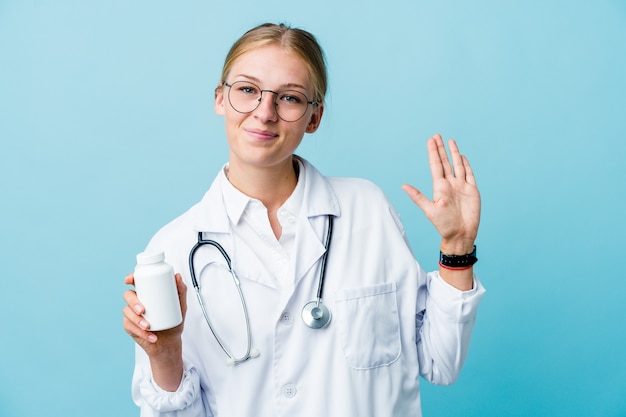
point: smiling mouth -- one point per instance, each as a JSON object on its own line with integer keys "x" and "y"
{"x": 261, "y": 134}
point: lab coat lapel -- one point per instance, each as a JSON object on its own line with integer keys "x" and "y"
{"x": 309, "y": 246}
{"x": 319, "y": 201}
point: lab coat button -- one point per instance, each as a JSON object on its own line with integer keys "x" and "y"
{"x": 289, "y": 390}
{"x": 286, "y": 318}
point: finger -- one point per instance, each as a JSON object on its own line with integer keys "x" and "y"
{"x": 418, "y": 198}
{"x": 136, "y": 331}
{"x": 133, "y": 302}
{"x": 469, "y": 173}
{"x": 434, "y": 159}
{"x": 134, "y": 322}
{"x": 137, "y": 320}
{"x": 136, "y": 325}
{"x": 443, "y": 157}
{"x": 129, "y": 279}
{"x": 457, "y": 160}
{"x": 181, "y": 287}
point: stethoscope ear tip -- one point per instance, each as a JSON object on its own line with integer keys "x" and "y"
{"x": 254, "y": 353}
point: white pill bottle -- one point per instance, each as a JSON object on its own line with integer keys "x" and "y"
{"x": 156, "y": 289}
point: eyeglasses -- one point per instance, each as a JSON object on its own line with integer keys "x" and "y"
{"x": 245, "y": 97}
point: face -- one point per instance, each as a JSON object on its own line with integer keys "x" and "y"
{"x": 261, "y": 138}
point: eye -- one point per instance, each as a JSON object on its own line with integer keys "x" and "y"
{"x": 250, "y": 89}
{"x": 292, "y": 97}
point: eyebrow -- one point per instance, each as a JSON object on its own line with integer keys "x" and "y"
{"x": 284, "y": 86}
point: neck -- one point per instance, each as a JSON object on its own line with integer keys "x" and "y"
{"x": 270, "y": 185}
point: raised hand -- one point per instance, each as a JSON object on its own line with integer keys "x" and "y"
{"x": 455, "y": 207}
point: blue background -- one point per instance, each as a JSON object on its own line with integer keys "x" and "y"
{"x": 107, "y": 132}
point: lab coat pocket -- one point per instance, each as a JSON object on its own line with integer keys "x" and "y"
{"x": 369, "y": 325}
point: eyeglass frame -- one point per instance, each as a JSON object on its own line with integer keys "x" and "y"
{"x": 260, "y": 99}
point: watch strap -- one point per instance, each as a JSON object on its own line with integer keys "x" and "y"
{"x": 458, "y": 261}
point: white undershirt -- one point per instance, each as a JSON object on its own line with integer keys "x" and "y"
{"x": 251, "y": 226}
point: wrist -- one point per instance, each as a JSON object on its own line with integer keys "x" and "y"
{"x": 166, "y": 353}
{"x": 457, "y": 246}
{"x": 167, "y": 368}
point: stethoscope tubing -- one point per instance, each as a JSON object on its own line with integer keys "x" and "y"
{"x": 314, "y": 314}
{"x": 232, "y": 360}
{"x": 320, "y": 283}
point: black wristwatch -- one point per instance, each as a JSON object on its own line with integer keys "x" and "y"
{"x": 458, "y": 261}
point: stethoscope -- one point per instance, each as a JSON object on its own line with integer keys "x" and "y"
{"x": 315, "y": 314}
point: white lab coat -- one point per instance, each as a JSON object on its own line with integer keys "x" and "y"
{"x": 391, "y": 321}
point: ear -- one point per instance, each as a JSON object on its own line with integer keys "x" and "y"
{"x": 219, "y": 101}
{"x": 315, "y": 120}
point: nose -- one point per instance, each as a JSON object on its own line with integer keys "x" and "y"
{"x": 266, "y": 110}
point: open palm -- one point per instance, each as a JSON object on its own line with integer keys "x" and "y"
{"x": 455, "y": 207}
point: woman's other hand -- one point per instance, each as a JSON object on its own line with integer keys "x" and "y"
{"x": 164, "y": 348}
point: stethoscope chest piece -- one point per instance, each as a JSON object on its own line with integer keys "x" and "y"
{"x": 316, "y": 315}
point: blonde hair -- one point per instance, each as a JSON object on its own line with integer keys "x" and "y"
{"x": 294, "y": 40}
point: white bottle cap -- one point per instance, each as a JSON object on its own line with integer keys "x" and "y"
{"x": 147, "y": 258}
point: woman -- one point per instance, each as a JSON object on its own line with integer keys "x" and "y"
{"x": 292, "y": 234}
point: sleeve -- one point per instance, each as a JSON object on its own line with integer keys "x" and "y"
{"x": 445, "y": 321}
{"x": 186, "y": 401}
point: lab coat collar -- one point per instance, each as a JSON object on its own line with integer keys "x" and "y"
{"x": 210, "y": 213}
{"x": 319, "y": 200}
{"x": 234, "y": 200}
{"x": 319, "y": 196}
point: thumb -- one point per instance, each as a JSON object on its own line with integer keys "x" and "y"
{"x": 182, "y": 292}
{"x": 418, "y": 198}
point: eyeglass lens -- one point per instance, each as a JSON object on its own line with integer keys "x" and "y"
{"x": 245, "y": 97}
